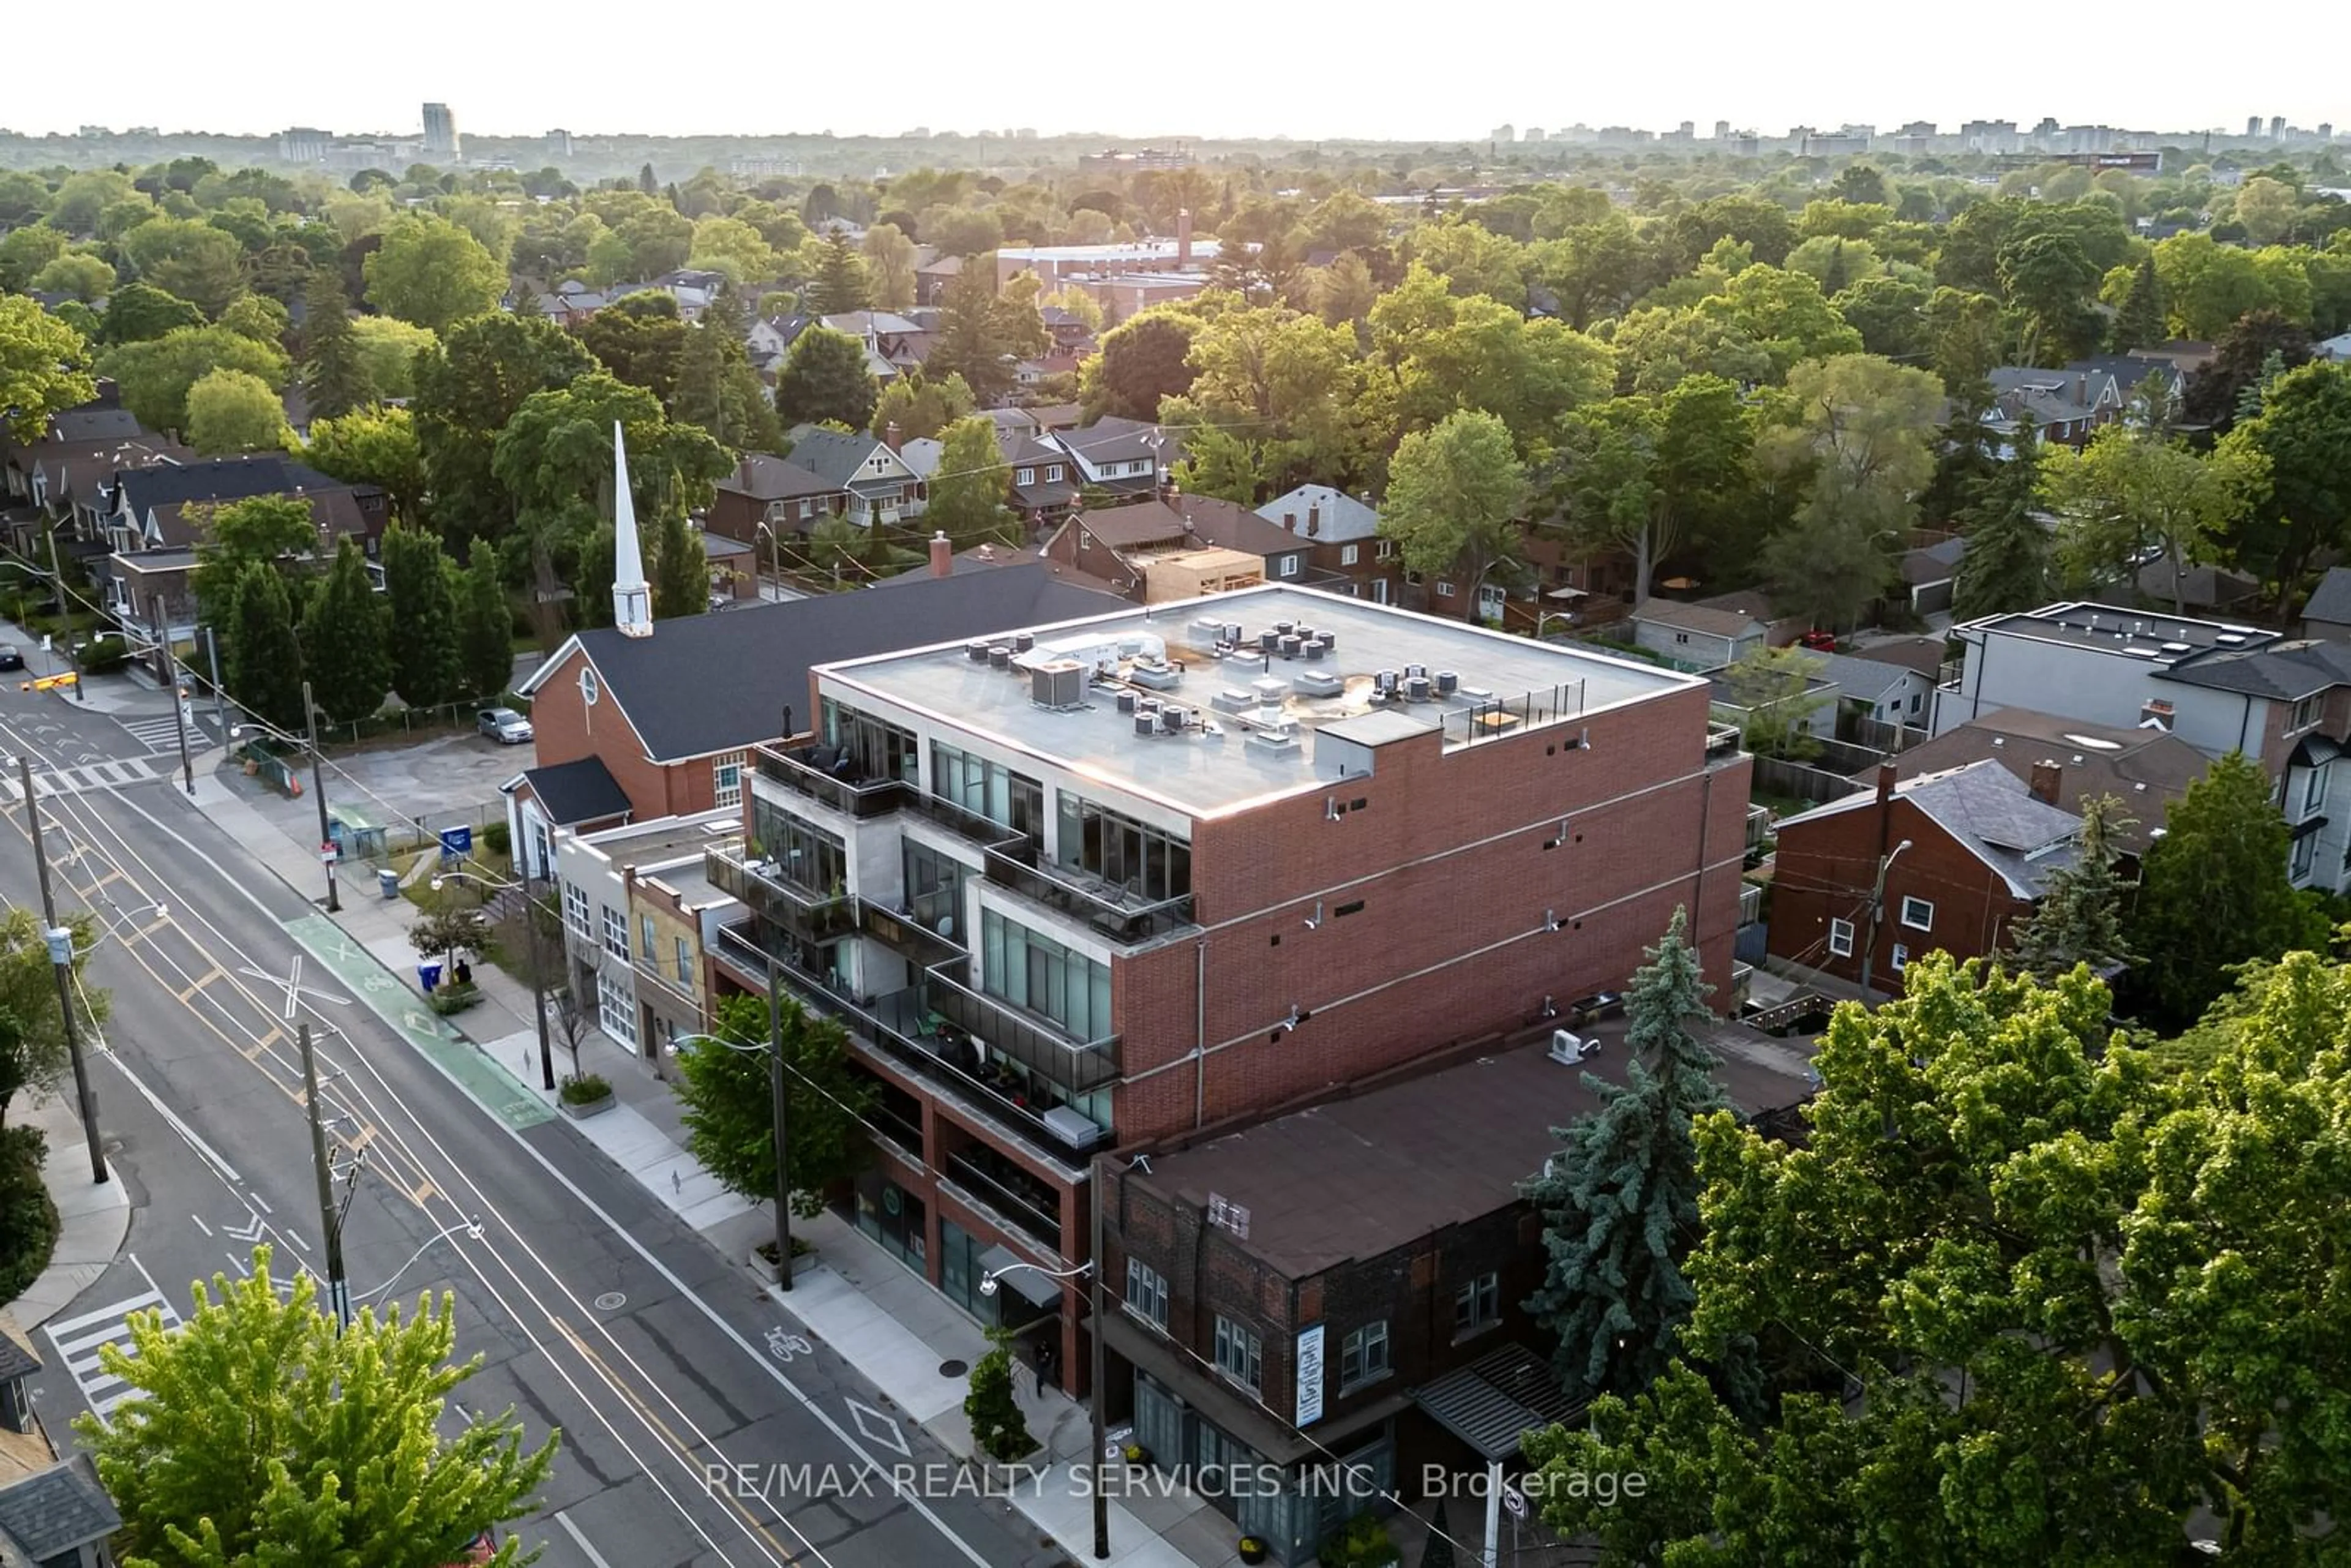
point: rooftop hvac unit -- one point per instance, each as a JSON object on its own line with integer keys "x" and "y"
{"x": 999, "y": 657}
{"x": 1267, "y": 640}
{"x": 1313, "y": 650}
{"x": 1317, "y": 684}
{"x": 1448, "y": 683}
{"x": 1145, "y": 723}
{"x": 1569, "y": 1048}
{"x": 1277, "y": 738}
{"x": 1386, "y": 681}
{"x": 1159, "y": 677}
{"x": 1208, "y": 630}
{"x": 1412, "y": 670}
{"x": 1232, "y": 700}
{"x": 1330, "y": 638}
{"x": 1233, "y": 632}
{"x": 1126, "y": 702}
{"x": 1417, "y": 688}
{"x": 1269, "y": 690}
{"x": 977, "y": 651}
{"x": 1171, "y": 719}
{"x": 1022, "y": 641}
{"x": 1058, "y": 685}
{"x": 1289, "y": 646}
{"x": 1285, "y": 628}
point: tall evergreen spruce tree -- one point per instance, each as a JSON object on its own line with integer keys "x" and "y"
{"x": 840, "y": 285}
{"x": 426, "y": 667}
{"x": 265, "y": 659}
{"x": 484, "y": 625}
{"x": 2142, "y": 323}
{"x": 1619, "y": 1201}
{"x": 2079, "y": 919}
{"x": 343, "y": 645}
{"x": 2006, "y": 567}
{"x": 681, "y": 570}
{"x": 335, "y": 374}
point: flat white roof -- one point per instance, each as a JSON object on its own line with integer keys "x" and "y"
{"x": 1501, "y": 684}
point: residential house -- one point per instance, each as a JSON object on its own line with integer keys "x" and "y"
{"x": 2186, "y": 357}
{"x": 1061, "y": 266}
{"x": 2203, "y": 591}
{"x": 1069, "y": 329}
{"x": 1874, "y": 689}
{"x": 152, "y": 535}
{"x": 2334, "y": 350}
{"x": 568, "y": 303}
{"x": 64, "y": 474}
{"x": 734, "y": 567}
{"x": 1101, "y": 883}
{"x": 2328, "y": 612}
{"x": 2220, "y": 686}
{"x": 1036, "y": 372}
{"x": 1124, "y": 456}
{"x": 2069, "y": 404}
{"x": 58, "y": 1516}
{"x": 769, "y": 495}
{"x": 1929, "y": 575}
{"x": 635, "y": 950}
{"x": 693, "y": 289}
{"x": 1707, "y": 633}
{"x": 1044, "y": 478}
{"x": 1325, "y": 1300}
{"x": 1160, "y": 551}
{"x": 1343, "y": 540}
{"x": 874, "y": 483}
{"x": 932, "y": 277}
{"x": 637, "y": 729}
{"x": 893, "y": 343}
{"x": 1962, "y": 855}
{"x": 2072, "y": 761}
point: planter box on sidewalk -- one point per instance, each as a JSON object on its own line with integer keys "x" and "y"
{"x": 766, "y": 1272}
{"x": 596, "y": 1107}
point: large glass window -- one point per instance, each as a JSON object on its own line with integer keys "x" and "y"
{"x": 935, "y": 890}
{"x": 1239, "y": 1354}
{"x": 803, "y": 854}
{"x": 616, "y": 934}
{"x": 616, "y": 1010}
{"x": 876, "y": 748}
{"x": 1039, "y": 974}
{"x": 988, "y": 788}
{"x": 1146, "y": 862}
{"x": 1147, "y": 1293}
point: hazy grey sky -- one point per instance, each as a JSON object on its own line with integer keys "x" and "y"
{"x": 1208, "y": 67}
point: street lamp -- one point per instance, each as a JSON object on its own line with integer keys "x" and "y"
{"x": 1548, "y": 616}
{"x": 1876, "y": 909}
{"x": 537, "y": 962}
{"x": 775, "y": 1050}
{"x": 775, "y": 551}
{"x": 317, "y": 782}
{"x": 470, "y": 1229}
{"x": 1090, "y": 1271}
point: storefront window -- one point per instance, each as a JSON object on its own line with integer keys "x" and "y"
{"x": 889, "y": 1214}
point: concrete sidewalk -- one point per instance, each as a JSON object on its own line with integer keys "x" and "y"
{"x": 870, "y": 1309}
{"x": 95, "y": 1216}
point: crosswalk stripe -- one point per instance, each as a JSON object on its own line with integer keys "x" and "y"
{"x": 120, "y": 1309}
{"x": 90, "y": 777}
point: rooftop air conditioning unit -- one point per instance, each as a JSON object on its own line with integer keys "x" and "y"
{"x": 1058, "y": 685}
{"x": 1073, "y": 1128}
{"x": 1569, "y": 1048}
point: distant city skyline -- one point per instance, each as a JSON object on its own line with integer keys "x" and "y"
{"x": 1224, "y": 69}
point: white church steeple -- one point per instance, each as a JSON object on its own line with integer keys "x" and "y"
{"x": 632, "y": 598}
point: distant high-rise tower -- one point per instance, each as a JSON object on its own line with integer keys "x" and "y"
{"x": 632, "y": 597}
{"x": 2253, "y": 125}
{"x": 2277, "y": 127}
{"x": 441, "y": 132}
{"x": 558, "y": 144}
{"x": 1502, "y": 133}
{"x": 2326, "y": 131}
{"x": 1722, "y": 130}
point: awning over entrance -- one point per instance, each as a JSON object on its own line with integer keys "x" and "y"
{"x": 1028, "y": 1283}
{"x": 1489, "y": 1403}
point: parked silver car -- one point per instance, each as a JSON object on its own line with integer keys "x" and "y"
{"x": 503, "y": 725}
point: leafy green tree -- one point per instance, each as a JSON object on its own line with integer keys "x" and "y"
{"x": 433, "y": 273}
{"x": 2247, "y": 355}
{"x": 335, "y": 1454}
{"x": 343, "y": 641}
{"x": 1890, "y": 314}
{"x": 1859, "y": 182}
{"x": 265, "y": 659}
{"x": 24, "y": 252}
{"x": 968, "y": 492}
{"x": 374, "y": 447}
{"x": 31, "y": 1023}
{"x": 639, "y": 339}
{"x": 421, "y": 615}
{"x": 390, "y": 347}
{"x": 1447, "y": 353}
{"x": 2215, "y": 890}
{"x": 85, "y": 276}
{"x": 155, "y": 376}
{"x": 2128, "y": 491}
{"x": 2040, "y": 1258}
{"x": 2303, "y": 434}
{"x": 920, "y": 407}
{"x": 2079, "y": 917}
{"x": 998, "y": 1428}
{"x": 1222, "y": 462}
{"x": 2142, "y": 320}
{"x": 593, "y": 567}
{"x": 1293, "y": 383}
{"x": 485, "y": 625}
{"x": 232, "y": 412}
{"x": 981, "y": 332}
{"x": 2006, "y": 567}
{"x": 889, "y": 266}
{"x": 1857, "y": 433}
{"x": 43, "y": 368}
{"x": 825, "y": 378}
{"x": 2048, "y": 280}
{"x": 468, "y": 389}
{"x": 681, "y": 571}
{"x": 1619, "y": 1202}
{"x": 1637, "y": 471}
{"x": 264, "y": 530}
{"x": 138, "y": 312}
{"x": 257, "y": 316}
{"x": 1140, "y": 362}
{"x": 841, "y": 285}
{"x": 1471, "y": 260}
{"x": 193, "y": 261}
{"x": 730, "y": 1113}
{"x": 718, "y": 389}
{"x": 1455, "y": 496}
{"x": 1772, "y": 687}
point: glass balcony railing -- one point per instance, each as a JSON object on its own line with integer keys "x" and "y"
{"x": 1019, "y": 1200}
{"x": 1108, "y": 908}
{"x": 837, "y": 787}
{"x": 1033, "y": 1042}
{"x": 765, "y": 888}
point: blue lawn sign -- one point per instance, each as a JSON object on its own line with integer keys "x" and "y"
{"x": 457, "y": 843}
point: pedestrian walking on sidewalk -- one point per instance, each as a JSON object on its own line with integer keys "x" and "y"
{"x": 1045, "y": 1359}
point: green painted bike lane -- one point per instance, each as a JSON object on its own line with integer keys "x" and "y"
{"x": 496, "y": 1090}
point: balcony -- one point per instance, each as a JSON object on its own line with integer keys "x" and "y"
{"x": 1722, "y": 742}
{"x": 796, "y": 769}
{"x": 1016, "y": 1200}
{"x": 1105, "y": 907}
{"x": 1031, "y": 1041}
{"x": 815, "y": 916}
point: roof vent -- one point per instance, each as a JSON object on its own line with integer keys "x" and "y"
{"x": 2230, "y": 639}
{"x": 2175, "y": 648}
{"x": 1022, "y": 641}
{"x": 1319, "y": 683}
{"x": 1314, "y": 650}
{"x": 1276, "y": 738}
{"x": 1230, "y": 700}
{"x": 1289, "y": 646}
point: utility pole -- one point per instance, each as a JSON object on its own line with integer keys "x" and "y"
{"x": 220, "y": 697}
{"x": 65, "y": 615}
{"x": 326, "y": 851}
{"x": 171, "y": 683}
{"x": 775, "y": 1094}
{"x": 330, "y": 1220}
{"x": 60, "y": 944}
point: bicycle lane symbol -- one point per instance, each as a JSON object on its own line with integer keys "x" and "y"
{"x": 786, "y": 1347}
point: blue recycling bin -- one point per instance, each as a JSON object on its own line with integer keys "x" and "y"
{"x": 428, "y": 976}
{"x": 387, "y": 881}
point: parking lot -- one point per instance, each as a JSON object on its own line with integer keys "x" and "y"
{"x": 446, "y": 781}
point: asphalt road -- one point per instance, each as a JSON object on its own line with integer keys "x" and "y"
{"x": 596, "y": 1313}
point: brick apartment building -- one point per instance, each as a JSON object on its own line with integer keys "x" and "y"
{"x": 1113, "y": 881}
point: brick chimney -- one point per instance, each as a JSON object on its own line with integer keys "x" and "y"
{"x": 889, "y": 435}
{"x": 1182, "y": 238}
{"x": 2046, "y": 776}
{"x": 2155, "y": 715}
{"x": 1886, "y": 775}
{"x": 942, "y": 551}
{"x": 1313, "y": 518}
